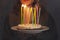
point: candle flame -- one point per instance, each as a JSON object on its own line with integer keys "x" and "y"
{"x": 23, "y": 5}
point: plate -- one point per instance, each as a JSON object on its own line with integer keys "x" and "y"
{"x": 31, "y": 31}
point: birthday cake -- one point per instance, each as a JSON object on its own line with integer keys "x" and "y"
{"x": 29, "y": 26}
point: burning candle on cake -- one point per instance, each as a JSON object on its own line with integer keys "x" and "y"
{"x": 25, "y": 13}
{"x": 29, "y": 15}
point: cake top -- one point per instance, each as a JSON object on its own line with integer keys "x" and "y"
{"x": 29, "y": 26}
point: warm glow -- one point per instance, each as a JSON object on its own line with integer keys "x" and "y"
{"x": 23, "y": 5}
{"x": 29, "y": 15}
{"x": 27, "y": 2}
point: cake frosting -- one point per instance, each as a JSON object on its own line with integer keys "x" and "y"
{"x": 29, "y": 26}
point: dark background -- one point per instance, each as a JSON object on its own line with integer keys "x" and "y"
{"x": 53, "y": 7}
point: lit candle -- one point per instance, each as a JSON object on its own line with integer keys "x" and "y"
{"x": 21, "y": 14}
{"x": 28, "y": 15}
{"x": 39, "y": 15}
{"x": 35, "y": 16}
{"x": 31, "y": 11}
{"x": 24, "y": 13}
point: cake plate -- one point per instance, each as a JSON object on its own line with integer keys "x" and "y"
{"x": 31, "y": 31}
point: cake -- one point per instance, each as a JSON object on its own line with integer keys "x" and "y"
{"x": 28, "y": 26}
